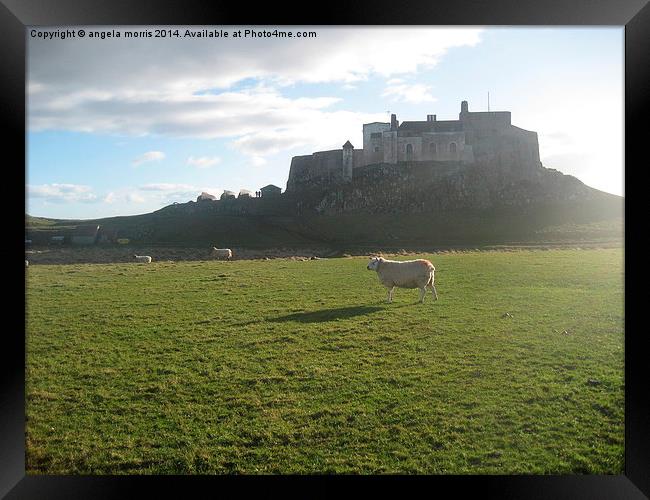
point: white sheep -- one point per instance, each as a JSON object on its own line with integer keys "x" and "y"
{"x": 404, "y": 274}
{"x": 26, "y": 263}
{"x": 221, "y": 253}
{"x": 142, "y": 258}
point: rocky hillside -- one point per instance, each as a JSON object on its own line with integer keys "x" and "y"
{"x": 406, "y": 205}
{"x": 427, "y": 187}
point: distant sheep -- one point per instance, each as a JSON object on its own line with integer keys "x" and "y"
{"x": 26, "y": 263}
{"x": 404, "y": 274}
{"x": 142, "y": 258}
{"x": 221, "y": 253}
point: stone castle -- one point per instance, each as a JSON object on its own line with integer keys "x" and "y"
{"x": 479, "y": 161}
{"x": 477, "y": 138}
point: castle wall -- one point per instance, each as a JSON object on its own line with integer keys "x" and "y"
{"x": 530, "y": 144}
{"x": 348, "y": 158}
{"x": 357, "y": 158}
{"x": 416, "y": 148}
{"x": 375, "y": 151}
{"x": 321, "y": 167}
{"x": 299, "y": 169}
{"x": 443, "y": 141}
{"x": 390, "y": 147}
{"x": 491, "y": 120}
{"x": 369, "y": 154}
{"x": 512, "y": 148}
{"x": 395, "y": 146}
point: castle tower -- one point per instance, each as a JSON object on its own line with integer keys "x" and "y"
{"x": 394, "y": 123}
{"x": 348, "y": 160}
{"x": 464, "y": 110}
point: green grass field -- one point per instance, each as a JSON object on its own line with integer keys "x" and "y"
{"x": 288, "y": 366}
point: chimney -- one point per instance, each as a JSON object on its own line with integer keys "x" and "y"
{"x": 463, "y": 107}
{"x": 430, "y": 118}
{"x": 393, "y": 122}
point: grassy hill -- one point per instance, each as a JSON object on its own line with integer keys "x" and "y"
{"x": 597, "y": 219}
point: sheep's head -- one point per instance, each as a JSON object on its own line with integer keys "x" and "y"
{"x": 374, "y": 263}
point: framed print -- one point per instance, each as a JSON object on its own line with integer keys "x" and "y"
{"x": 389, "y": 243}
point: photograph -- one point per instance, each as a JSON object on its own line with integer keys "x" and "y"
{"x": 324, "y": 250}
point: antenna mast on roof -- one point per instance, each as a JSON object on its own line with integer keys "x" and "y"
{"x": 488, "y": 101}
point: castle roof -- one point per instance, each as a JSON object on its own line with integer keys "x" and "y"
{"x": 348, "y": 145}
{"x": 427, "y": 126}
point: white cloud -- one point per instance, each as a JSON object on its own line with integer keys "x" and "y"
{"x": 203, "y": 161}
{"x": 310, "y": 130}
{"x": 122, "y": 196}
{"x": 216, "y": 191}
{"x": 75, "y": 69}
{"x": 185, "y": 88}
{"x": 167, "y": 187}
{"x": 62, "y": 193}
{"x": 148, "y": 156}
{"x": 153, "y": 195}
{"x": 414, "y": 93}
{"x": 258, "y": 161}
{"x": 133, "y": 197}
{"x": 164, "y": 193}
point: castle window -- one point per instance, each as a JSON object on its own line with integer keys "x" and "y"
{"x": 376, "y": 149}
{"x": 432, "y": 148}
{"x": 409, "y": 152}
{"x": 452, "y": 148}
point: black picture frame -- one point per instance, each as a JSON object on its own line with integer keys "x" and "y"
{"x": 16, "y": 15}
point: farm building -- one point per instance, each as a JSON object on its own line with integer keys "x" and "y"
{"x": 228, "y": 195}
{"x": 270, "y": 190}
{"x": 85, "y": 235}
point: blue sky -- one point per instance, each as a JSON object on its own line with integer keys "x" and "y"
{"x": 121, "y": 127}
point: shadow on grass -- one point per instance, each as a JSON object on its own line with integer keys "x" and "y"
{"x": 327, "y": 314}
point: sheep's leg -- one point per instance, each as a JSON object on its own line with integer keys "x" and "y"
{"x": 433, "y": 291}
{"x": 390, "y": 294}
{"x": 423, "y": 292}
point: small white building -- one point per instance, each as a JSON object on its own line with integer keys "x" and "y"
{"x": 205, "y": 197}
